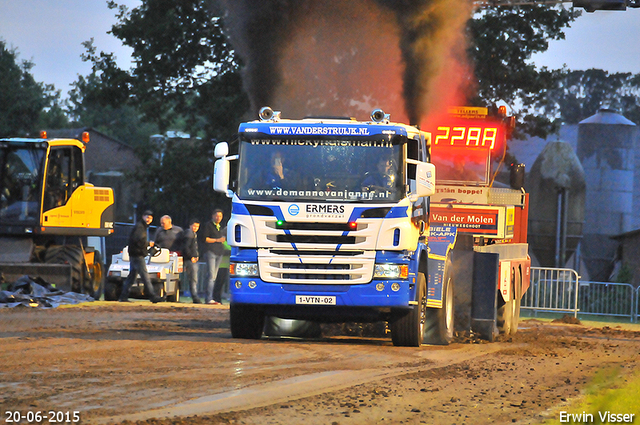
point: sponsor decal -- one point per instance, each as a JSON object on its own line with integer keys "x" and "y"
{"x": 467, "y": 220}
{"x": 324, "y": 130}
{"x": 324, "y": 211}
{"x": 315, "y": 194}
{"x": 294, "y": 209}
{"x": 315, "y": 143}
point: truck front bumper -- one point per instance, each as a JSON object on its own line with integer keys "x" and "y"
{"x": 377, "y": 293}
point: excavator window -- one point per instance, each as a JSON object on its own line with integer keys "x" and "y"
{"x": 20, "y": 183}
{"x": 64, "y": 175}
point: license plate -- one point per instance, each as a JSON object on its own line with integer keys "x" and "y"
{"x": 315, "y": 300}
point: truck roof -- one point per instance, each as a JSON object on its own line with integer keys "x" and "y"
{"x": 327, "y": 127}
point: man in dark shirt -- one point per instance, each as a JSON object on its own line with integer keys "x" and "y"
{"x": 214, "y": 237}
{"x": 167, "y": 234}
{"x": 137, "y": 251}
{"x": 191, "y": 255}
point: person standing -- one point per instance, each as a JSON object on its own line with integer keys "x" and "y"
{"x": 138, "y": 246}
{"x": 191, "y": 254}
{"x": 214, "y": 237}
{"x": 166, "y": 235}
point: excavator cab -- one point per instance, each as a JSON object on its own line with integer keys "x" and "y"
{"x": 47, "y": 210}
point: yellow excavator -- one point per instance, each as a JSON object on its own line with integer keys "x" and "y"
{"x": 47, "y": 211}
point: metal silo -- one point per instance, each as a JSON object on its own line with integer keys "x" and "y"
{"x": 606, "y": 149}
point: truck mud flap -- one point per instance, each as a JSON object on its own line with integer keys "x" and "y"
{"x": 484, "y": 294}
{"x": 462, "y": 276}
{"x": 475, "y": 276}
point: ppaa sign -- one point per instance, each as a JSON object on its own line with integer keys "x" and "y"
{"x": 469, "y": 133}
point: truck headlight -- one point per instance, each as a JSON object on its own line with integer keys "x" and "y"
{"x": 391, "y": 271}
{"x": 243, "y": 269}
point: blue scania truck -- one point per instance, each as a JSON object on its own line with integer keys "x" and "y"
{"x": 330, "y": 223}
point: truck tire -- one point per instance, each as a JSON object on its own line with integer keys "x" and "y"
{"x": 439, "y": 323}
{"x": 247, "y": 321}
{"x": 407, "y": 327}
{"x": 72, "y": 255}
{"x": 94, "y": 282}
{"x": 112, "y": 290}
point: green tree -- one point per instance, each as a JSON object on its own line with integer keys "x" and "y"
{"x": 89, "y": 106}
{"x": 185, "y": 78}
{"x": 54, "y": 115}
{"x": 579, "y": 94}
{"x": 503, "y": 40}
{"x": 24, "y": 103}
{"x": 178, "y": 46}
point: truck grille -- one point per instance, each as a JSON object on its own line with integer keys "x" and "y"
{"x": 305, "y": 271}
{"x": 288, "y": 267}
{"x": 316, "y": 239}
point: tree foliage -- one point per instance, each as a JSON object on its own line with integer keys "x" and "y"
{"x": 178, "y": 47}
{"x": 185, "y": 77}
{"x": 579, "y": 94}
{"x": 90, "y": 105}
{"x": 24, "y": 103}
{"x": 503, "y": 40}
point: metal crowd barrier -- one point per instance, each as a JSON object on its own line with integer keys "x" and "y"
{"x": 552, "y": 290}
{"x": 560, "y": 290}
{"x": 636, "y": 311}
{"x": 608, "y": 299}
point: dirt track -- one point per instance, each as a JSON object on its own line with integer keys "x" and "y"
{"x": 129, "y": 363}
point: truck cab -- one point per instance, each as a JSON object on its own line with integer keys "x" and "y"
{"x": 329, "y": 221}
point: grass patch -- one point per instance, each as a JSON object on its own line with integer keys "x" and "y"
{"x": 611, "y": 391}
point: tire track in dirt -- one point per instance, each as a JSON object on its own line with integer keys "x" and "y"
{"x": 304, "y": 386}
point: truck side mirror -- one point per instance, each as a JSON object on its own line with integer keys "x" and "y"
{"x": 221, "y": 172}
{"x": 221, "y": 150}
{"x": 425, "y": 181}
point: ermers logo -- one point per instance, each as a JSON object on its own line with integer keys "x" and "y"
{"x": 324, "y": 209}
{"x": 294, "y": 209}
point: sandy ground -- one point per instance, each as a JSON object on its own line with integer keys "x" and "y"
{"x": 177, "y": 364}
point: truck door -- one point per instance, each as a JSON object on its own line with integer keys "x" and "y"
{"x": 415, "y": 151}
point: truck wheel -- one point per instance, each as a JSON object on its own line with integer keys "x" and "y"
{"x": 407, "y": 327}
{"x": 438, "y": 327}
{"x": 112, "y": 290}
{"x": 247, "y": 321}
{"x": 94, "y": 283}
{"x": 68, "y": 254}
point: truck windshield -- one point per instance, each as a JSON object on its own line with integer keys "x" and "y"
{"x": 20, "y": 183}
{"x": 322, "y": 170}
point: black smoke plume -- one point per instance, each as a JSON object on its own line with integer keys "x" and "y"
{"x": 331, "y": 57}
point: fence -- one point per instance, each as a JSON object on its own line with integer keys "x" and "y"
{"x": 608, "y": 299}
{"x": 552, "y": 289}
{"x": 560, "y": 290}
